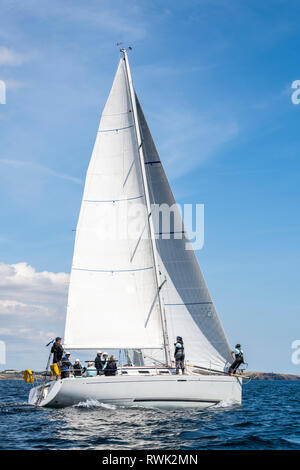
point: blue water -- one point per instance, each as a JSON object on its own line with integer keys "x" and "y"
{"x": 269, "y": 418}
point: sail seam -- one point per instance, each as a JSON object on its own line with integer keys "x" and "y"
{"x": 190, "y": 303}
{"x": 113, "y": 270}
{"x": 116, "y": 129}
{"x": 117, "y": 114}
{"x": 114, "y": 200}
{"x": 168, "y": 233}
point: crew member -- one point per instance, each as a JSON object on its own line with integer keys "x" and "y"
{"x": 179, "y": 355}
{"x": 77, "y": 368}
{"x": 238, "y": 356}
{"x": 91, "y": 370}
{"x": 65, "y": 365}
{"x": 57, "y": 351}
{"x": 98, "y": 362}
{"x": 104, "y": 361}
{"x": 111, "y": 368}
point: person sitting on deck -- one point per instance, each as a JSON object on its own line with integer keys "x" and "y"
{"x": 57, "y": 351}
{"x": 91, "y": 370}
{"x": 77, "y": 368}
{"x": 98, "y": 362}
{"x": 111, "y": 368}
{"x": 238, "y": 357}
{"x": 179, "y": 355}
{"x": 65, "y": 365}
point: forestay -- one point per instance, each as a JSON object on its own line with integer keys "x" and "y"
{"x": 113, "y": 300}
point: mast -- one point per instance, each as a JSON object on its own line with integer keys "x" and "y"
{"x": 148, "y": 204}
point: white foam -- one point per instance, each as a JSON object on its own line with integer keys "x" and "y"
{"x": 94, "y": 404}
{"x": 225, "y": 404}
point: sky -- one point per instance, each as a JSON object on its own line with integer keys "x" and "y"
{"x": 214, "y": 78}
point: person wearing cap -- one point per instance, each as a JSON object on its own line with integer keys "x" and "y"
{"x": 98, "y": 362}
{"x": 104, "y": 360}
{"x": 57, "y": 351}
{"x": 65, "y": 365}
{"x": 77, "y": 368}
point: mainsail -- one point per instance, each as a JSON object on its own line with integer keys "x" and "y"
{"x": 113, "y": 301}
{"x": 119, "y": 275}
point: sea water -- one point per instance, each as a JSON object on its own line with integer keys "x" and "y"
{"x": 269, "y": 418}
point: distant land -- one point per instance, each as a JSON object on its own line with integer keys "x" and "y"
{"x": 271, "y": 376}
{"x": 18, "y": 375}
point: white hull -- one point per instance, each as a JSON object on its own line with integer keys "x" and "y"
{"x": 154, "y": 391}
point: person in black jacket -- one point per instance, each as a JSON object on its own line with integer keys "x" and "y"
{"x": 179, "y": 355}
{"x": 77, "y": 368}
{"x": 65, "y": 365}
{"x": 98, "y": 362}
{"x": 111, "y": 368}
{"x": 57, "y": 351}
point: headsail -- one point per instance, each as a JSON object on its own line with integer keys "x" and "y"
{"x": 113, "y": 300}
{"x": 189, "y": 309}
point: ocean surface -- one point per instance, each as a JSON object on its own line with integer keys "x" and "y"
{"x": 269, "y": 418}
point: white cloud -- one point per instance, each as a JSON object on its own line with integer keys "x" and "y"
{"x": 32, "y": 312}
{"x": 9, "y": 57}
{"x": 22, "y": 283}
{"x": 14, "y": 307}
{"x": 28, "y": 297}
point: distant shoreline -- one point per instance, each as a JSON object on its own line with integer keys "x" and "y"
{"x": 253, "y": 375}
{"x": 271, "y": 376}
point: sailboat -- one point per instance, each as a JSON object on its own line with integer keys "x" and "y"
{"x": 134, "y": 287}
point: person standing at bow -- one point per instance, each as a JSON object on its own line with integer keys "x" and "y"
{"x": 57, "y": 351}
{"x": 238, "y": 357}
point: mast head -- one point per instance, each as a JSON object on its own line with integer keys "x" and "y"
{"x": 124, "y": 51}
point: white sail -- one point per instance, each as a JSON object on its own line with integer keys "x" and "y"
{"x": 189, "y": 309}
{"x": 113, "y": 301}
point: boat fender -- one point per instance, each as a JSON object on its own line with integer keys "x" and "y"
{"x": 28, "y": 376}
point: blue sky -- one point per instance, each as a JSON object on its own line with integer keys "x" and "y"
{"x": 214, "y": 78}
